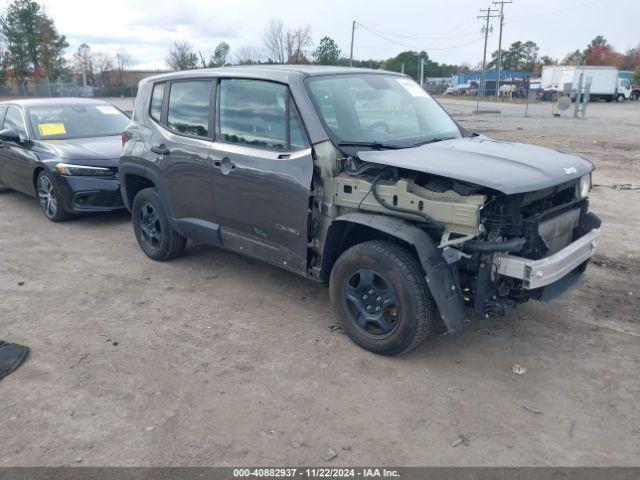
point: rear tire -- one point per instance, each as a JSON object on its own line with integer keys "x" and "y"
{"x": 49, "y": 198}
{"x": 378, "y": 290}
{"x": 155, "y": 235}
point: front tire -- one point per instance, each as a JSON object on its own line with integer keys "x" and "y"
{"x": 379, "y": 293}
{"x": 155, "y": 235}
{"x": 620, "y": 98}
{"x": 49, "y": 198}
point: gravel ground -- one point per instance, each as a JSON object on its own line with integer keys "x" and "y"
{"x": 215, "y": 359}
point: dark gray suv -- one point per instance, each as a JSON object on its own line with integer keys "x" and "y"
{"x": 360, "y": 180}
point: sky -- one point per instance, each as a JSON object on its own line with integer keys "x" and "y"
{"x": 448, "y": 30}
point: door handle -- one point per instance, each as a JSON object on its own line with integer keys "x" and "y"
{"x": 225, "y": 165}
{"x": 160, "y": 149}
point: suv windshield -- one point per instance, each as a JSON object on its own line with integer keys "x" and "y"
{"x": 62, "y": 122}
{"x": 378, "y": 109}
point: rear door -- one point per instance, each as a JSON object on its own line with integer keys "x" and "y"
{"x": 263, "y": 170}
{"x": 181, "y": 145}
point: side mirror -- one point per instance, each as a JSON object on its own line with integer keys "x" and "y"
{"x": 9, "y": 135}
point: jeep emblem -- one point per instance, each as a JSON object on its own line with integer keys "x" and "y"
{"x": 570, "y": 170}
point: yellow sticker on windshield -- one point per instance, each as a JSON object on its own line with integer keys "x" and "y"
{"x": 48, "y": 129}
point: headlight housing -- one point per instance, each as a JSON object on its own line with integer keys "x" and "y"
{"x": 583, "y": 186}
{"x": 82, "y": 170}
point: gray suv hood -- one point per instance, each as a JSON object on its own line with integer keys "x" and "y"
{"x": 503, "y": 166}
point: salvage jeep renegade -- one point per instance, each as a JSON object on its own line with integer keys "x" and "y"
{"x": 360, "y": 180}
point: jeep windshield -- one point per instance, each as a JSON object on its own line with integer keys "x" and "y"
{"x": 379, "y": 111}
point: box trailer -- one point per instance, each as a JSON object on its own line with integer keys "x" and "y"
{"x": 605, "y": 83}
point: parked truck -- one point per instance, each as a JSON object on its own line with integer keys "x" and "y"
{"x": 605, "y": 83}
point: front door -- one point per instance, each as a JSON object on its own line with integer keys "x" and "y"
{"x": 16, "y": 159}
{"x": 263, "y": 170}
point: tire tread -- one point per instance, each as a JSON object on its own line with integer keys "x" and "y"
{"x": 409, "y": 268}
{"x": 176, "y": 243}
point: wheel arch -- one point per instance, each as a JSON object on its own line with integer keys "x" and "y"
{"x": 353, "y": 228}
{"x": 135, "y": 177}
{"x": 34, "y": 178}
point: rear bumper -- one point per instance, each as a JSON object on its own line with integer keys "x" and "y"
{"x": 540, "y": 273}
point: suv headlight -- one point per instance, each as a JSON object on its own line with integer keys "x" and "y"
{"x": 82, "y": 170}
{"x": 583, "y": 186}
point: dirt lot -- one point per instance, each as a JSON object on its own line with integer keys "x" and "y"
{"x": 214, "y": 359}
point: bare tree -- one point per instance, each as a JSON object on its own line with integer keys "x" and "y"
{"x": 247, "y": 56}
{"x": 83, "y": 63}
{"x": 102, "y": 63}
{"x": 182, "y": 57}
{"x": 124, "y": 60}
{"x": 298, "y": 42}
{"x": 274, "y": 38}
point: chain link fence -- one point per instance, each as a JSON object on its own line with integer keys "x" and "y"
{"x": 45, "y": 89}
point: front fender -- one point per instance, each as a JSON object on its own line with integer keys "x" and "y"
{"x": 441, "y": 278}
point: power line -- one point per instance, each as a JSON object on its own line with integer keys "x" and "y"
{"x": 486, "y": 16}
{"x": 449, "y": 37}
{"x": 413, "y": 47}
{"x": 551, "y": 12}
{"x": 499, "y": 66}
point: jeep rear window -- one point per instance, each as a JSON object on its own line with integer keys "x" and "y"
{"x": 189, "y": 107}
{"x": 155, "y": 110}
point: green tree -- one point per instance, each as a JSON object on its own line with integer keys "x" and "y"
{"x": 599, "y": 41}
{"x": 327, "y": 53}
{"x": 411, "y": 61}
{"x": 50, "y": 49}
{"x": 636, "y": 74}
{"x": 519, "y": 56}
{"x": 220, "y": 55}
{"x": 34, "y": 47}
{"x": 574, "y": 58}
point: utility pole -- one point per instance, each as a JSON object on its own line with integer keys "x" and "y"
{"x": 402, "y": 68}
{"x": 421, "y": 71}
{"x": 353, "y": 33}
{"x": 120, "y": 66}
{"x": 486, "y": 16}
{"x": 499, "y": 68}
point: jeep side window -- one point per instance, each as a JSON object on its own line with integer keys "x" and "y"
{"x": 155, "y": 109}
{"x": 259, "y": 114}
{"x": 297, "y": 135}
{"x": 189, "y": 107}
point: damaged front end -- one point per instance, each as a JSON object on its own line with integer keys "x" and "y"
{"x": 502, "y": 249}
{"x": 552, "y": 235}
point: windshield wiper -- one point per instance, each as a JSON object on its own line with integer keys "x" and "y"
{"x": 375, "y": 145}
{"x": 431, "y": 140}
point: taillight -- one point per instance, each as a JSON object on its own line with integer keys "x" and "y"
{"x": 125, "y": 137}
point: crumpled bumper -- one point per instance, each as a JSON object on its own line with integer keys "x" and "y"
{"x": 540, "y": 273}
